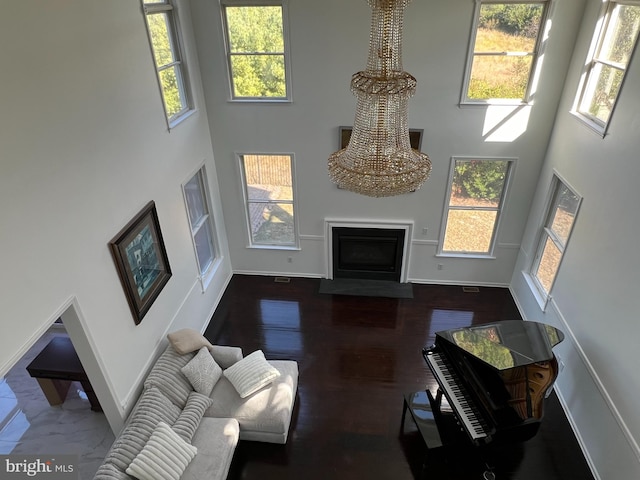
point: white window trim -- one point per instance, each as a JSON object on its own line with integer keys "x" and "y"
{"x": 536, "y": 63}
{"x": 204, "y": 277}
{"x": 180, "y": 53}
{"x": 543, "y": 297}
{"x": 245, "y": 198}
{"x": 600, "y": 32}
{"x": 512, "y": 162}
{"x": 287, "y": 54}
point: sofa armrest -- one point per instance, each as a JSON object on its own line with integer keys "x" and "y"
{"x": 225, "y": 356}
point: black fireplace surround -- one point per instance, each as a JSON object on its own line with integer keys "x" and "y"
{"x": 367, "y": 253}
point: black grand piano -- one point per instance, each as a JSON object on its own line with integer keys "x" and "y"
{"x": 493, "y": 378}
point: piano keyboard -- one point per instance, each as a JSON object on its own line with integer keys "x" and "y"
{"x": 455, "y": 392}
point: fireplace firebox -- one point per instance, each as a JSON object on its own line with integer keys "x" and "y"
{"x": 368, "y": 253}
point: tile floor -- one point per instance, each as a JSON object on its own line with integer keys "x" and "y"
{"x": 29, "y": 425}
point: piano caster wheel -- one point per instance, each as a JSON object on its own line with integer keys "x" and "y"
{"x": 489, "y": 475}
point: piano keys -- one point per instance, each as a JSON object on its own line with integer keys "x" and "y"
{"x": 458, "y": 397}
{"x": 495, "y": 377}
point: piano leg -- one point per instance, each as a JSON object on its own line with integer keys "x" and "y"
{"x": 488, "y": 475}
{"x": 438, "y": 398}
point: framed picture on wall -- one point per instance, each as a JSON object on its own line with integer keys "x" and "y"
{"x": 141, "y": 260}
{"x": 415, "y": 137}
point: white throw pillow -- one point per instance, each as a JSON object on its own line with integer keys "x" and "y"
{"x": 164, "y": 457}
{"x": 202, "y": 371}
{"x": 251, "y": 374}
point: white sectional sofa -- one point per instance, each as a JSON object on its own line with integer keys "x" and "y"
{"x": 170, "y": 407}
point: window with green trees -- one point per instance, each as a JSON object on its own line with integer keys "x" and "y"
{"x": 256, "y": 49}
{"x": 476, "y": 195}
{"x": 612, "y": 49}
{"x": 503, "y": 51}
{"x": 165, "y": 42}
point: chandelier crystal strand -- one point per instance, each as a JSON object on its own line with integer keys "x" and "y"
{"x": 379, "y": 160}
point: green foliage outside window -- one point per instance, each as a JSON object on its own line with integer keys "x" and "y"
{"x": 173, "y": 101}
{"x": 480, "y": 179}
{"x": 507, "y": 27}
{"x": 164, "y": 54}
{"x": 256, "y": 44}
{"x": 516, "y": 18}
{"x": 159, "y": 31}
{"x": 617, "y": 48}
{"x": 625, "y": 26}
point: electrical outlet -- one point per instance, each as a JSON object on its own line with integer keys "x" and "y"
{"x": 425, "y": 230}
{"x": 440, "y": 266}
{"x": 290, "y": 259}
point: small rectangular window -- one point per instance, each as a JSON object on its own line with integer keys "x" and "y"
{"x": 256, "y": 50}
{"x": 201, "y": 222}
{"x": 269, "y": 197}
{"x": 605, "y": 69}
{"x": 555, "y": 234}
{"x": 165, "y": 41}
{"x": 505, "y": 44}
{"x": 476, "y": 192}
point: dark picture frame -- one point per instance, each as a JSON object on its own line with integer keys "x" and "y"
{"x": 415, "y": 137}
{"x": 141, "y": 260}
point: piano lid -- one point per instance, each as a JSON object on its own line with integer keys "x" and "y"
{"x": 506, "y": 344}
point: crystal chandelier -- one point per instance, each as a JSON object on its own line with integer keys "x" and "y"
{"x": 379, "y": 160}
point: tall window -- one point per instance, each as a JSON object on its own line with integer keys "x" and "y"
{"x": 167, "y": 55}
{"x": 504, "y": 46}
{"x": 606, "y": 68}
{"x": 554, "y": 237}
{"x": 476, "y": 195}
{"x": 268, "y": 185}
{"x": 201, "y": 223}
{"x": 256, "y": 49}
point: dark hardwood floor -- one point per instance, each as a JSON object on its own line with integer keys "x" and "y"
{"x": 357, "y": 356}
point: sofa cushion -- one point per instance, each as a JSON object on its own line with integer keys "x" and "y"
{"x": 202, "y": 371}
{"x": 164, "y": 457}
{"x": 187, "y": 340}
{"x": 266, "y": 411}
{"x": 166, "y": 375}
{"x": 152, "y": 408}
{"x": 188, "y": 421}
{"x": 216, "y": 440}
{"x": 251, "y": 374}
{"x": 108, "y": 471}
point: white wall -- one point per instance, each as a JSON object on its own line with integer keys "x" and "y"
{"x": 595, "y": 300}
{"x": 84, "y": 146}
{"x": 329, "y": 42}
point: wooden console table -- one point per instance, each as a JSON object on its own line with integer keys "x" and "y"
{"x": 55, "y": 367}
